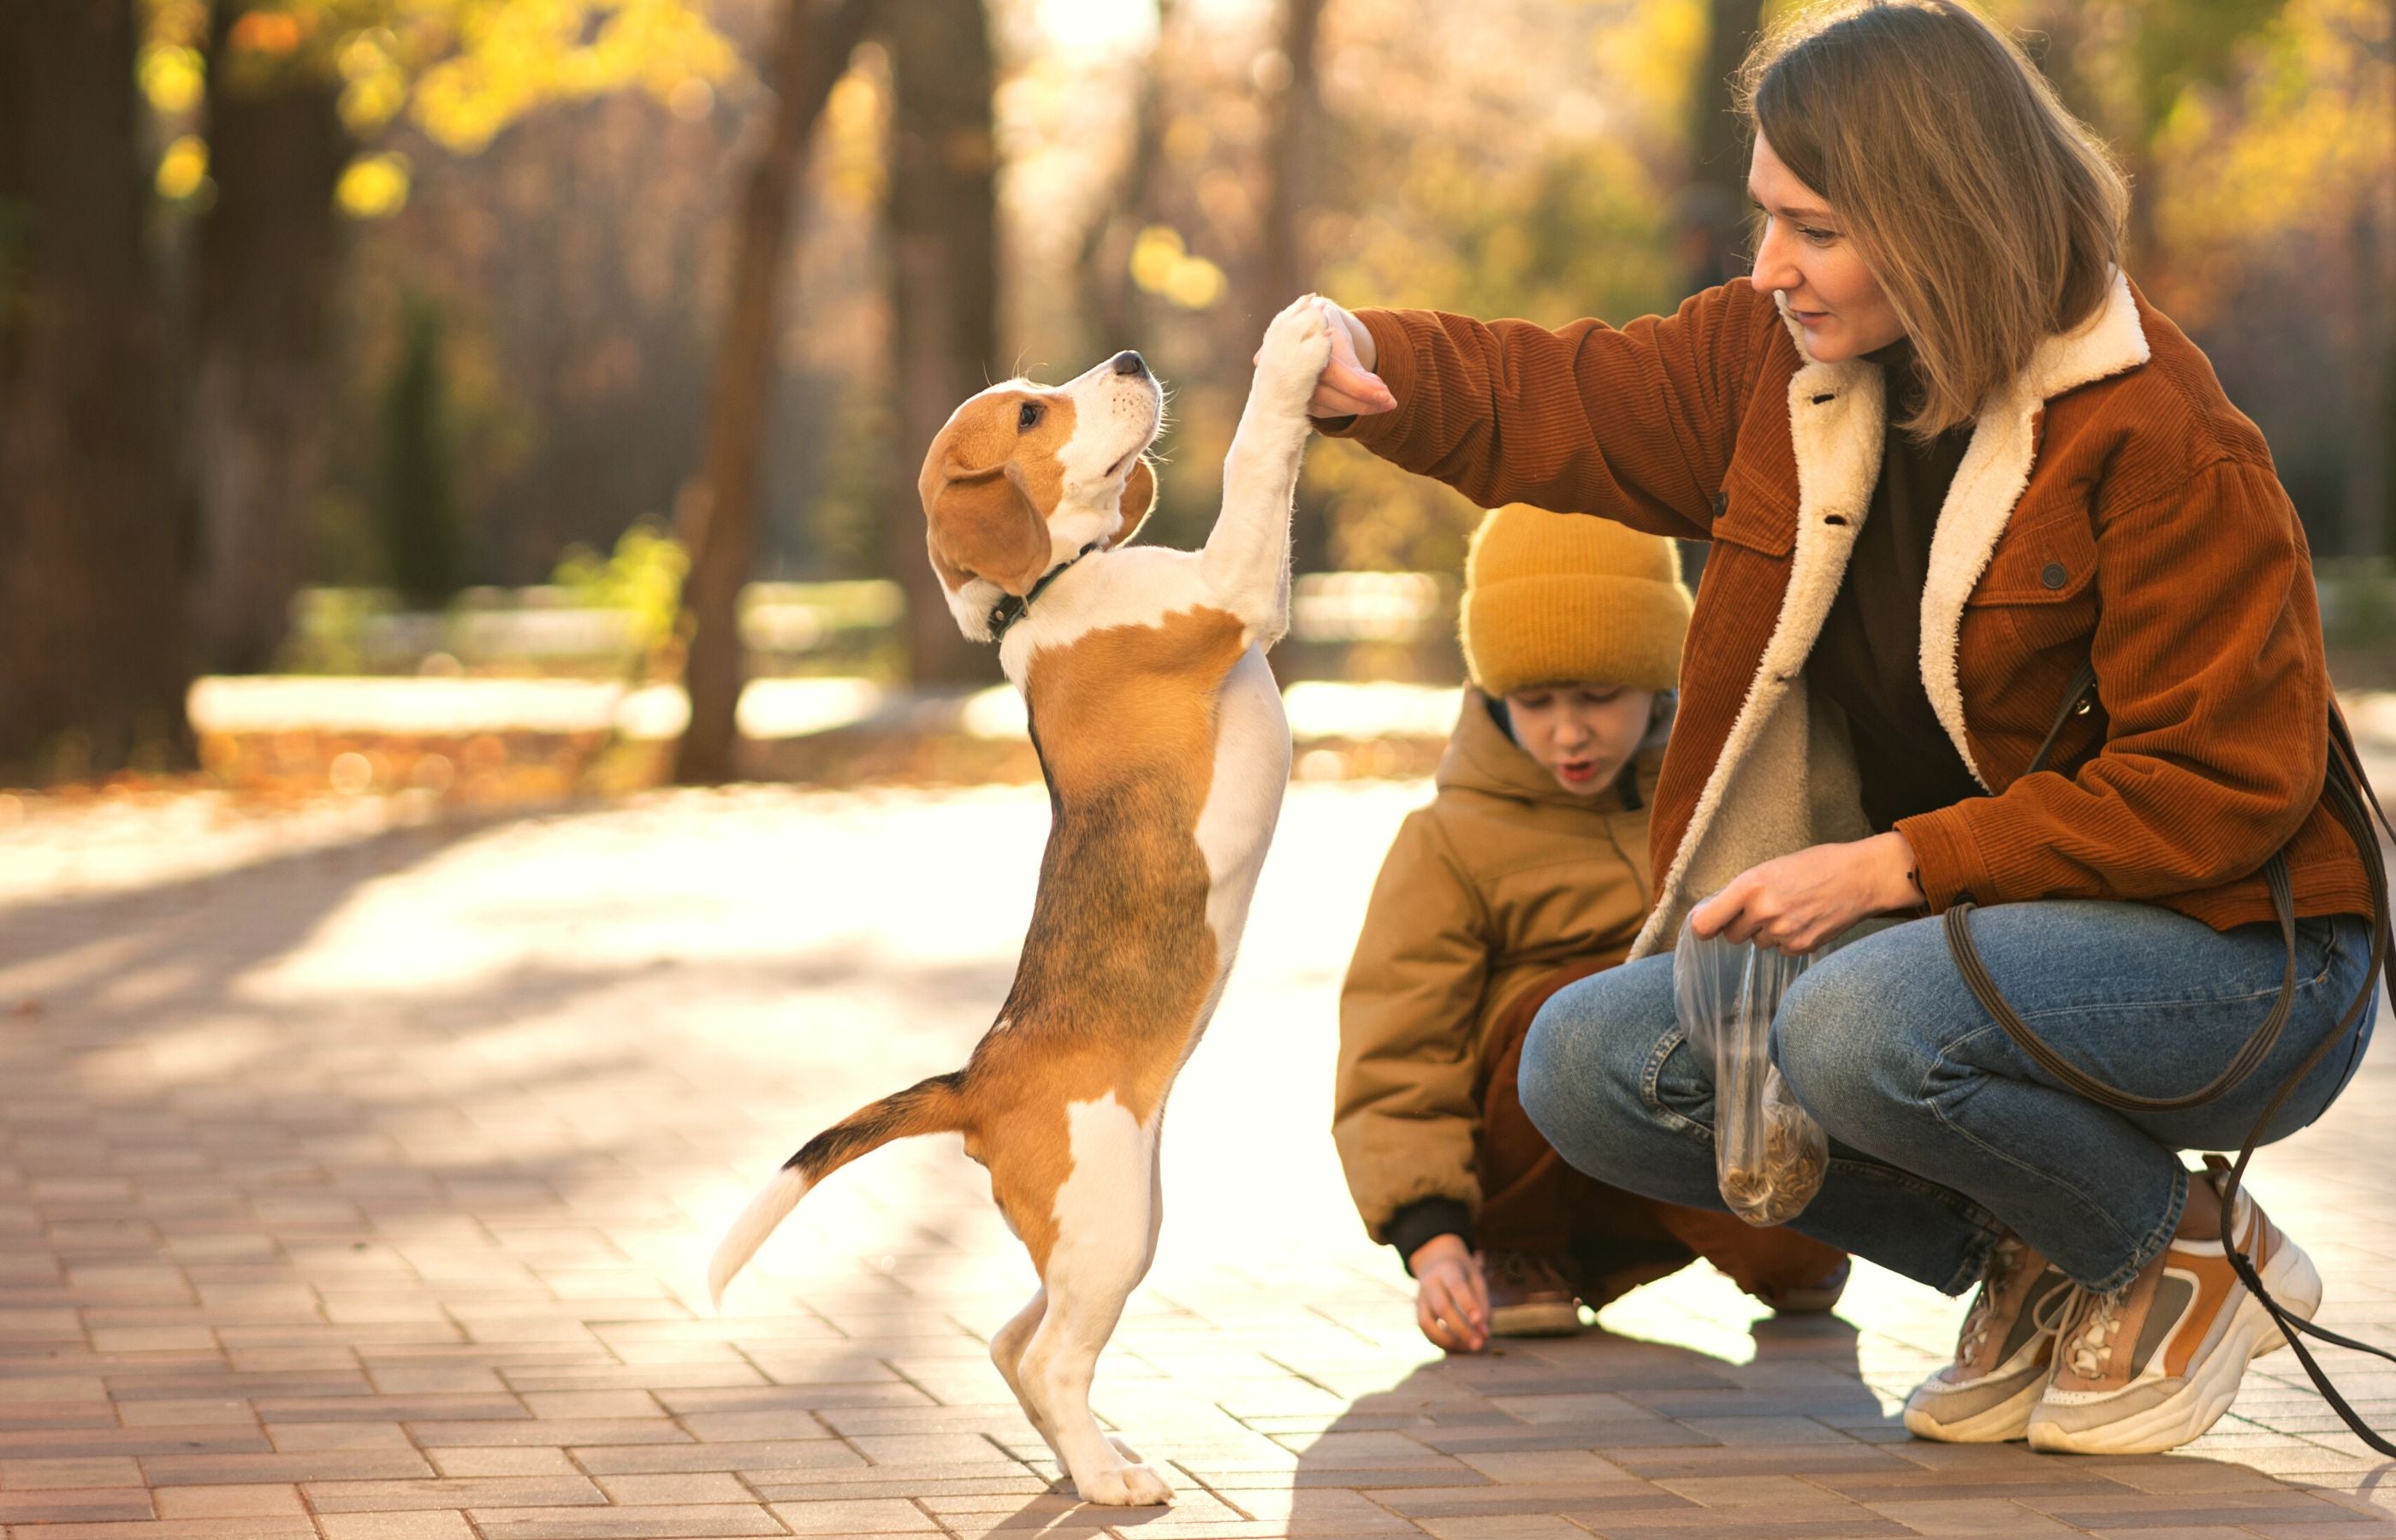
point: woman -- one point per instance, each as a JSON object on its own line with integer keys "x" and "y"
{"x": 1948, "y": 457}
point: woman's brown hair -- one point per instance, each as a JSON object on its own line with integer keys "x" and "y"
{"x": 1988, "y": 214}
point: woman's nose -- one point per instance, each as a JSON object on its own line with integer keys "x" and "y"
{"x": 1773, "y": 271}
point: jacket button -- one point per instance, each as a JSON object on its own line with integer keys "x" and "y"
{"x": 1722, "y": 501}
{"x": 2054, "y": 575}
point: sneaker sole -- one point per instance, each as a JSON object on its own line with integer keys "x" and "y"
{"x": 2003, "y": 1423}
{"x": 1521, "y": 1321}
{"x": 2197, "y": 1405}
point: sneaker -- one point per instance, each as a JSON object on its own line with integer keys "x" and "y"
{"x": 1529, "y": 1295}
{"x": 2004, "y": 1356}
{"x": 2152, "y": 1365}
{"x": 1814, "y": 1298}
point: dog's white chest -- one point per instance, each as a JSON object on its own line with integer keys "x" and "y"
{"x": 1244, "y": 796}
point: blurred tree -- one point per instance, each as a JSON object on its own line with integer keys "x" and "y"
{"x": 719, "y": 516}
{"x": 415, "y": 496}
{"x": 93, "y": 642}
{"x": 1290, "y": 77}
{"x": 944, "y": 277}
{"x": 294, "y": 90}
{"x": 1102, "y": 264}
{"x": 1292, "y": 83}
{"x": 269, "y": 263}
{"x": 1712, "y": 204}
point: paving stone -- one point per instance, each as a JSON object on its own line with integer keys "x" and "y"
{"x": 305, "y": 1231}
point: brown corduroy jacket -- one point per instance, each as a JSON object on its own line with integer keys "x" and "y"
{"x": 2112, "y": 507}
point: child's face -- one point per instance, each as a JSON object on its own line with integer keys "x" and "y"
{"x": 1581, "y": 734}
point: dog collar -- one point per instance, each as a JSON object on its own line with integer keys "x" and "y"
{"x": 1008, "y": 610}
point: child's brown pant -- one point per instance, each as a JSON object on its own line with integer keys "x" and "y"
{"x": 1532, "y": 1202}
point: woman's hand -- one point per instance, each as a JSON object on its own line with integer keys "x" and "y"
{"x": 1349, "y": 387}
{"x": 1451, "y": 1297}
{"x": 1797, "y": 902}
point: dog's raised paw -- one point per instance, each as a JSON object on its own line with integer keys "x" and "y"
{"x": 1125, "y": 1486}
{"x": 1297, "y": 346}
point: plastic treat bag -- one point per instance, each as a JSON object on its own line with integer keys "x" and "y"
{"x": 1769, "y": 1157}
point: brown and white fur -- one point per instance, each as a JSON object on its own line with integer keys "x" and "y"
{"x": 1160, "y": 734}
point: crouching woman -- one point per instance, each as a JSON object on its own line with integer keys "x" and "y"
{"x": 1952, "y": 465}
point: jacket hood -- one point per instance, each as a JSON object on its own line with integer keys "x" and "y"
{"x": 1482, "y": 757}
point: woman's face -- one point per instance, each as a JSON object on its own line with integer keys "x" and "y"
{"x": 1812, "y": 264}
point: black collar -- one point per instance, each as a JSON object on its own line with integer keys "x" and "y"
{"x": 1009, "y": 609}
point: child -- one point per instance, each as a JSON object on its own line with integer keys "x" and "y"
{"x": 1526, "y": 871}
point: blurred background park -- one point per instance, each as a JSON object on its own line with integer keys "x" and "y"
{"x": 483, "y": 400}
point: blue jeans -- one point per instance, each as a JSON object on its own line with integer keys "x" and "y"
{"x": 1944, "y": 1135}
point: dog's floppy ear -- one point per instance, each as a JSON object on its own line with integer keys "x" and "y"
{"x": 1138, "y": 497}
{"x": 981, "y": 525}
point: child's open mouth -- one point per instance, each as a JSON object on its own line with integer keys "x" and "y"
{"x": 1578, "y": 773}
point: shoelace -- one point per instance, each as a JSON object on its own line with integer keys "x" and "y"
{"x": 2002, "y": 1264}
{"x": 2094, "y": 1330}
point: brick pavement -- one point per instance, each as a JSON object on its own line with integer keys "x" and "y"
{"x": 357, "y": 1182}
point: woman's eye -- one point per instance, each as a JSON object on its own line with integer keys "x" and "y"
{"x": 1029, "y": 417}
{"x": 1824, "y": 237}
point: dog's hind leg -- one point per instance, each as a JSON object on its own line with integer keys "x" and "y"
{"x": 1006, "y": 1351}
{"x": 1105, "y": 1234}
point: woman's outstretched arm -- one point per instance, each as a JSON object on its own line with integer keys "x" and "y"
{"x": 1636, "y": 422}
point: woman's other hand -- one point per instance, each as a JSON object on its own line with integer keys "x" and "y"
{"x": 1349, "y": 387}
{"x": 1451, "y": 1297}
{"x": 1797, "y": 902}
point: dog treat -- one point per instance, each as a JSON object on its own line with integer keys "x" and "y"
{"x": 1796, "y": 1157}
{"x": 1769, "y": 1157}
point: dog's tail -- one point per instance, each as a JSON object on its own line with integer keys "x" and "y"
{"x": 928, "y": 1107}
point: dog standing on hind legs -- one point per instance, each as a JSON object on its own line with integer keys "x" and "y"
{"x": 1161, "y": 735}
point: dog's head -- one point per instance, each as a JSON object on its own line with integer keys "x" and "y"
{"x": 1024, "y": 476}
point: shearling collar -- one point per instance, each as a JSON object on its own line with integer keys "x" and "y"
{"x": 1989, "y": 482}
{"x": 1837, "y": 427}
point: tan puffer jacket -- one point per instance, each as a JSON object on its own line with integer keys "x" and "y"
{"x": 1503, "y": 878}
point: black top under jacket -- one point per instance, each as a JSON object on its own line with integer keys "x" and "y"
{"x": 1869, "y": 657}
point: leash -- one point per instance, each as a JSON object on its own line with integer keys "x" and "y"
{"x": 1009, "y": 609}
{"x": 2351, "y": 799}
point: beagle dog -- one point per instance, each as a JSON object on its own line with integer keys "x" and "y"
{"x": 1160, "y": 732}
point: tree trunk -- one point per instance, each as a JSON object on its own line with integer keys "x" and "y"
{"x": 270, "y": 259}
{"x": 1294, "y": 159}
{"x": 93, "y": 661}
{"x": 1712, "y": 213}
{"x": 943, "y": 232}
{"x": 810, "y": 53}
{"x": 1102, "y": 268}
{"x": 2364, "y": 530}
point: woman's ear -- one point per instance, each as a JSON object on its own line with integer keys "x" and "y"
{"x": 1138, "y": 497}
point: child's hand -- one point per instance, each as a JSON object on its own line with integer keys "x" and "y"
{"x": 1451, "y": 1297}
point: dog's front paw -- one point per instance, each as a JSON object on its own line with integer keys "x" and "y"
{"x": 1296, "y": 347}
{"x": 1124, "y": 1486}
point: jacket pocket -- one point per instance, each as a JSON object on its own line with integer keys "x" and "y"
{"x": 2042, "y": 576}
{"x": 1756, "y": 515}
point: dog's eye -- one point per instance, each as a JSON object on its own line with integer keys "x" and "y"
{"x": 1029, "y": 417}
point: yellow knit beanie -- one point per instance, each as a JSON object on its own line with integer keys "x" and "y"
{"x": 1556, "y": 598}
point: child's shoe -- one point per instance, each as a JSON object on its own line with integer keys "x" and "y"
{"x": 1816, "y": 1298}
{"x": 1529, "y": 1295}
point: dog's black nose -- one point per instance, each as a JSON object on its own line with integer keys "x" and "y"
{"x": 1130, "y": 362}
